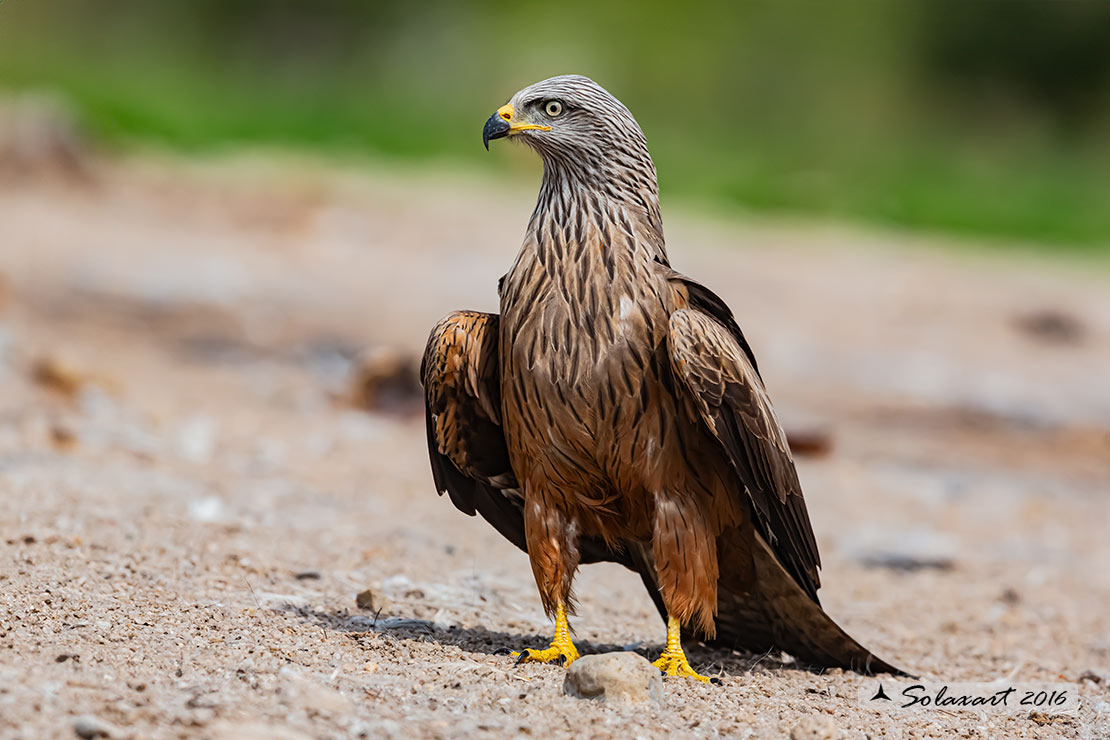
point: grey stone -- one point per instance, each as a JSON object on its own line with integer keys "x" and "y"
{"x": 89, "y": 728}
{"x": 1091, "y": 675}
{"x": 614, "y": 677}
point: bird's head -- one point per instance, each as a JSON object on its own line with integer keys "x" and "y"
{"x": 592, "y": 147}
{"x": 568, "y": 117}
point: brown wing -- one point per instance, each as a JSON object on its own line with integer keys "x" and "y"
{"x": 470, "y": 460}
{"x": 705, "y": 300}
{"x": 462, "y": 397}
{"x": 718, "y": 381}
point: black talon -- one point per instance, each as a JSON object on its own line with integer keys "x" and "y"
{"x": 716, "y": 681}
{"x": 502, "y": 651}
{"x": 523, "y": 654}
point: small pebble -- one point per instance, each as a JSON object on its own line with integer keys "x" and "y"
{"x": 1091, "y": 675}
{"x": 1053, "y": 326}
{"x": 89, "y": 727}
{"x": 62, "y": 437}
{"x": 906, "y": 563}
{"x": 809, "y": 442}
{"x": 614, "y": 677}
{"x": 386, "y": 379}
{"x": 365, "y": 600}
{"x": 59, "y": 374}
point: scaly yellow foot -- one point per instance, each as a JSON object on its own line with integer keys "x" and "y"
{"x": 561, "y": 645}
{"x": 673, "y": 660}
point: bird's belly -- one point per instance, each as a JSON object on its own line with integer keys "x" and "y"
{"x": 588, "y": 422}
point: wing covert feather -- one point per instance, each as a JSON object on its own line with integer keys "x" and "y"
{"x": 462, "y": 395}
{"x": 722, "y": 389}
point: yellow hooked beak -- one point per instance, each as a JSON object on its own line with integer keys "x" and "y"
{"x": 505, "y": 113}
{"x": 501, "y": 124}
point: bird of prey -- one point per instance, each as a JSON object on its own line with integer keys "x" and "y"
{"x": 613, "y": 410}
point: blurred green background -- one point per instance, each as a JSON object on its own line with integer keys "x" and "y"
{"x": 973, "y": 116}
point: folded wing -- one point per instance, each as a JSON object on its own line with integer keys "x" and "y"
{"x": 719, "y": 384}
{"x": 462, "y": 397}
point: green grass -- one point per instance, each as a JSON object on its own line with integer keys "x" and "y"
{"x": 846, "y": 142}
{"x": 1048, "y": 198}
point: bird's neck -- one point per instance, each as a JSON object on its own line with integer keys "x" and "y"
{"x": 580, "y": 197}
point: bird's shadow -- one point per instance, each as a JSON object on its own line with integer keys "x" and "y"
{"x": 711, "y": 661}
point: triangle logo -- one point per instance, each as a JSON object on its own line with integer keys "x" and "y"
{"x": 881, "y": 694}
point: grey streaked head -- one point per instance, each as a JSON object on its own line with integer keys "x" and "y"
{"x": 571, "y": 120}
{"x": 582, "y": 132}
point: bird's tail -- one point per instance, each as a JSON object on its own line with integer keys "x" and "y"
{"x": 770, "y": 612}
{"x": 776, "y": 614}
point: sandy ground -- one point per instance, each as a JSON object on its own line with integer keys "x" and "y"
{"x": 188, "y": 505}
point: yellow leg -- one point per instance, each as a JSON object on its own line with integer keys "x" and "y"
{"x": 561, "y": 645}
{"x": 673, "y": 660}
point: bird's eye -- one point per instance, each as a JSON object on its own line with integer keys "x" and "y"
{"x": 553, "y": 108}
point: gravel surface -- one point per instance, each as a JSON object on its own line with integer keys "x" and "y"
{"x": 191, "y": 502}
